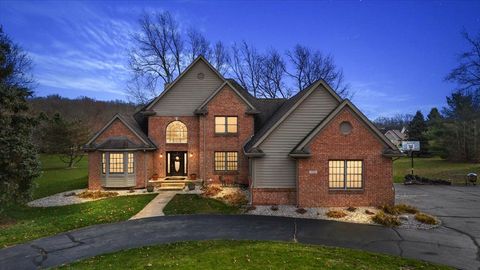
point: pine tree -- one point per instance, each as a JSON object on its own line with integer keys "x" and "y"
{"x": 19, "y": 165}
{"x": 435, "y": 133}
{"x": 417, "y": 129}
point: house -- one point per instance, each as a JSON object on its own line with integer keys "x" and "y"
{"x": 314, "y": 149}
{"x": 396, "y": 136}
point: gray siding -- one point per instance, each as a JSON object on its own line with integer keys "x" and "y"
{"x": 276, "y": 169}
{"x": 189, "y": 92}
{"x": 117, "y": 181}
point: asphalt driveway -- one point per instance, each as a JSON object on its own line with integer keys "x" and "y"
{"x": 453, "y": 244}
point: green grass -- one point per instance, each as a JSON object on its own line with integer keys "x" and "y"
{"x": 57, "y": 178}
{"x": 187, "y": 204}
{"x": 434, "y": 167}
{"x": 31, "y": 223}
{"x": 247, "y": 255}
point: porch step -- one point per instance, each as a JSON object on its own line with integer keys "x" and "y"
{"x": 172, "y": 186}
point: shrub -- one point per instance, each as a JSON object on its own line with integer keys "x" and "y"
{"x": 386, "y": 219}
{"x": 211, "y": 191}
{"x": 96, "y": 194}
{"x": 390, "y": 210}
{"x": 424, "y": 218}
{"x": 336, "y": 214}
{"x": 351, "y": 209}
{"x": 368, "y": 212}
{"x": 235, "y": 198}
{"x": 301, "y": 211}
{"x": 405, "y": 208}
{"x": 274, "y": 207}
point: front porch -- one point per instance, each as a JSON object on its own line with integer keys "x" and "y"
{"x": 173, "y": 182}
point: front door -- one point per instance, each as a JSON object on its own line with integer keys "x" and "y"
{"x": 176, "y": 163}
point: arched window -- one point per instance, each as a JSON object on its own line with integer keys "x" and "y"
{"x": 176, "y": 132}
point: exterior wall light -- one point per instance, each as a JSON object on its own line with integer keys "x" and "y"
{"x": 191, "y": 154}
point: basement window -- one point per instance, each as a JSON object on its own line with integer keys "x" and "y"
{"x": 345, "y": 174}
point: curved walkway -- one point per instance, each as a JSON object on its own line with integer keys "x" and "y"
{"x": 441, "y": 245}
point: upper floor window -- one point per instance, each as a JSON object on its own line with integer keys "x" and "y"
{"x": 225, "y": 124}
{"x": 345, "y": 174}
{"x": 176, "y": 132}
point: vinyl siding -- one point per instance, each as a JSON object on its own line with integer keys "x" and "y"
{"x": 189, "y": 92}
{"x": 118, "y": 181}
{"x": 276, "y": 169}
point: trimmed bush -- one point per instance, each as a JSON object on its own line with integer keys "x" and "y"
{"x": 405, "y": 208}
{"x": 211, "y": 190}
{"x": 390, "y": 210}
{"x": 424, "y": 218}
{"x": 336, "y": 214}
{"x": 386, "y": 219}
{"x": 301, "y": 211}
{"x": 236, "y": 198}
{"x": 351, "y": 209}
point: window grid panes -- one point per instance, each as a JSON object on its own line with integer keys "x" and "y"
{"x": 116, "y": 163}
{"x": 130, "y": 163}
{"x": 345, "y": 174}
{"x": 176, "y": 132}
{"x": 226, "y": 124}
{"x": 226, "y": 161}
{"x": 104, "y": 163}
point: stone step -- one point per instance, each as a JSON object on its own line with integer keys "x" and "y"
{"x": 172, "y": 186}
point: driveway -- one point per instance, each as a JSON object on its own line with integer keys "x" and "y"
{"x": 452, "y": 244}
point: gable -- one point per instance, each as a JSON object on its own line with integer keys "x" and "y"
{"x": 188, "y": 92}
{"x": 114, "y": 130}
{"x": 239, "y": 95}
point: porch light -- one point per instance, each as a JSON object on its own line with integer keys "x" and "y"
{"x": 191, "y": 154}
{"x": 161, "y": 156}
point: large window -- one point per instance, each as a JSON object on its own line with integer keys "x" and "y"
{"x": 225, "y": 124}
{"x": 176, "y": 132}
{"x": 118, "y": 163}
{"x": 345, "y": 174}
{"x": 226, "y": 161}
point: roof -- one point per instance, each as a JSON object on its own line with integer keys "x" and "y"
{"x": 285, "y": 109}
{"x": 268, "y": 107}
{"x": 119, "y": 143}
{"x": 131, "y": 124}
{"x": 300, "y": 149}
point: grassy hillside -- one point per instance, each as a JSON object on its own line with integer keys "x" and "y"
{"x": 434, "y": 167}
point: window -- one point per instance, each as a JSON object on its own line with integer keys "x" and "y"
{"x": 118, "y": 163}
{"x": 345, "y": 174}
{"x": 176, "y": 132}
{"x": 130, "y": 163}
{"x": 226, "y": 161}
{"x": 225, "y": 124}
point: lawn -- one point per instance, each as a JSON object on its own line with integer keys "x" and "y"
{"x": 31, "y": 223}
{"x": 247, "y": 255}
{"x": 434, "y": 167}
{"x": 57, "y": 178}
{"x": 21, "y": 223}
{"x": 187, "y": 204}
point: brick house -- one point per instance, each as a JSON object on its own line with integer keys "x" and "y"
{"x": 313, "y": 149}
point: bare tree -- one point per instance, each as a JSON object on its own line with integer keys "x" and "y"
{"x": 467, "y": 73}
{"x": 158, "y": 51}
{"x": 272, "y": 80}
{"x": 220, "y": 57}
{"x": 309, "y": 66}
{"x": 246, "y": 66}
{"x": 198, "y": 45}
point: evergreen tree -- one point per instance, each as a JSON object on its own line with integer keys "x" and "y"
{"x": 417, "y": 129}
{"x": 435, "y": 133}
{"x": 19, "y": 165}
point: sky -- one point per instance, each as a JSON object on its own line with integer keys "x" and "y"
{"x": 394, "y": 54}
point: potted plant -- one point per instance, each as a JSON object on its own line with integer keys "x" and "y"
{"x": 155, "y": 176}
{"x": 191, "y": 185}
{"x": 193, "y": 176}
{"x": 150, "y": 188}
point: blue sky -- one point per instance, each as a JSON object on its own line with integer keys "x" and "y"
{"x": 394, "y": 54}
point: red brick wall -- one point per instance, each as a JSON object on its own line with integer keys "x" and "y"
{"x": 94, "y": 170}
{"x": 360, "y": 144}
{"x": 269, "y": 196}
{"x": 116, "y": 129}
{"x": 225, "y": 103}
{"x": 157, "y": 127}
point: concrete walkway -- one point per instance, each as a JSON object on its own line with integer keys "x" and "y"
{"x": 155, "y": 207}
{"x": 440, "y": 245}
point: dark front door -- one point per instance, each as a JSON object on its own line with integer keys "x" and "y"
{"x": 176, "y": 163}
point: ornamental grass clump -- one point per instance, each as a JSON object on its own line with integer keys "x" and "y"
{"x": 96, "y": 194}
{"x": 211, "y": 191}
{"x": 236, "y": 198}
{"x": 336, "y": 214}
{"x": 351, "y": 209}
{"x": 386, "y": 219}
{"x": 424, "y": 218}
{"x": 405, "y": 208}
